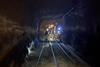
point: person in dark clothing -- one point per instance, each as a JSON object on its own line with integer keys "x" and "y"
{"x": 19, "y": 52}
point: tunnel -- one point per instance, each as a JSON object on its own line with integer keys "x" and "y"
{"x": 48, "y": 33}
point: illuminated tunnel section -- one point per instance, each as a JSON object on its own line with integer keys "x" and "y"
{"x": 47, "y": 33}
{"x": 51, "y": 29}
{"x": 53, "y": 51}
{"x": 57, "y": 36}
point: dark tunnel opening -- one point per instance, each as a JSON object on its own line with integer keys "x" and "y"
{"x": 48, "y": 33}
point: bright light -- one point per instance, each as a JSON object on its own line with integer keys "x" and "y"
{"x": 47, "y": 29}
{"x": 59, "y": 32}
{"x": 59, "y": 28}
{"x": 51, "y": 26}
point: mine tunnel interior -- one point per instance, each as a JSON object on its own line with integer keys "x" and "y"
{"x": 47, "y": 33}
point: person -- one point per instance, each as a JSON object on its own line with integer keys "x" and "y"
{"x": 19, "y": 52}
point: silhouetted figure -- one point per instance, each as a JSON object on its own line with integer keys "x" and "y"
{"x": 20, "y": 51}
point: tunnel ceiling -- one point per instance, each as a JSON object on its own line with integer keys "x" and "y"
{"x": 16, "y": 11}
{"x": 24, "y": 11}
{"x": 50, "y": 6}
